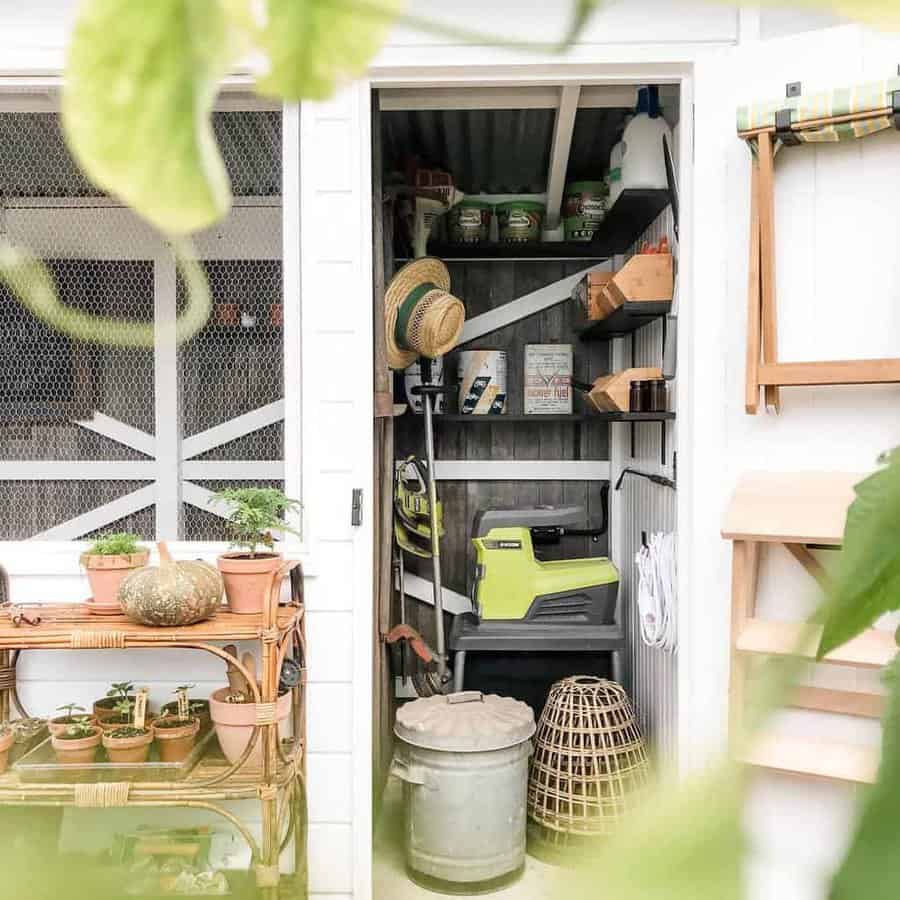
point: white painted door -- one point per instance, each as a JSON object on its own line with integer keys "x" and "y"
{"x": 838, "y": 287}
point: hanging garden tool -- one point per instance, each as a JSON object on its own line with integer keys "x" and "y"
{"x": 423, "y": 320}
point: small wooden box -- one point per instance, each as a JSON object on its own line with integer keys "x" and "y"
{"x": 647, "y": 276}
{"x": 589, "y": 294}
{"x": 610, "y": 392}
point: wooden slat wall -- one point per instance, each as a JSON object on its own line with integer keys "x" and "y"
{"x": 483, "y": 286}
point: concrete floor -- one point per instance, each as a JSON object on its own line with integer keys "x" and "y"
{"x": 391, "y": 882}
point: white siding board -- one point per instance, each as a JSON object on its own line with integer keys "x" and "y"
{"x": 329, "y": 638}
{"x": 331, "y": 859}
{"x": 330, "y": 788}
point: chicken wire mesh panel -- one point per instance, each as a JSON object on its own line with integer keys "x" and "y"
{"x": 32, "y": 507}
{"x": 203, "y": 525}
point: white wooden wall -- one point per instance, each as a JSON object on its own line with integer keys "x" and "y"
{"x": 837, "y": 298}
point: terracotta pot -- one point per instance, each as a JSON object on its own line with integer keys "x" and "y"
{"x": 7, "y": 739}
{"x": 226, "y": 314}
{"x": 79, "y": 751}
{"x": 104, "y": 708}
{"x": 59, "y": 724}
{"x": 128, "y": 749}
{"x": 106, "y": 574}
{"x": 248, "y": 579}
{"x": 235, "y": 721}
{"x": 199, "y": 710}
{"x": 175, "y": 743}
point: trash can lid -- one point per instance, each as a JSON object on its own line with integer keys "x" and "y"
{"x": 467, "y": 722}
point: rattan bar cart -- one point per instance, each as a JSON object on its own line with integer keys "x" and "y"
{"x": 279, "y": 784}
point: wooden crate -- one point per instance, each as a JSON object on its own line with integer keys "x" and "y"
{"x": 610, "y": 392}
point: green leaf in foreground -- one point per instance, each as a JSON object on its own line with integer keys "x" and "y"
{"x": 141, "y": 79}
{"x": 314, "y": 46}
{"x": 871, "y": 869}
{"x": 866, "y": 583}
{"x": 31, "y": 283}
{"x": 686, "y": 843}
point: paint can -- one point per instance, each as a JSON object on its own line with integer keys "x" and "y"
{"x": 482, "y": 382}
{"x": 412, "y": 377}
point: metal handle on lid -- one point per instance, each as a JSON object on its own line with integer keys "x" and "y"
{"x": 466, "y": 697}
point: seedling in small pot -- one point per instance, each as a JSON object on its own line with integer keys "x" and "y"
{"x": 105, "y": 708}
{"x": 127, "y": 743}
{"x": 175, "y": 736}
{"x": 77, "y": 743}
{"x": 253, "y": 515}
{"x": 69, "y": 717}
{"x": 198, "y": 709}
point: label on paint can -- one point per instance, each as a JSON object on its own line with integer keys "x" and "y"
{"x": 482, "y": 382}
{"x": 548, "y": 379}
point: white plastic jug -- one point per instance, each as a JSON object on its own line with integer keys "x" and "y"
{"x": 614, "y": 179}
{"x": 643, "y": 161}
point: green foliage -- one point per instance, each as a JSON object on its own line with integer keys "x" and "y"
{"x": 31, "y": 283}
{"x": 124, "y": 708}
{"x": 683, "y": 844}
{"x": 141, "y": 79}
{"x": 871, "y": 869}
{"x": 866, "y": 583}
{"x": 69, "y": 710}
{"x": 313, "y": 46}
{"x": 121, "y": 690}
{"x": 77, "y": 730}
{"x": 120, "y": 543}
{"x": 184, "y": 688}
{"x": 254, "y": 513}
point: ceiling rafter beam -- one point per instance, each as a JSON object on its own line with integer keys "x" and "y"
{"x": 560, "y": 147}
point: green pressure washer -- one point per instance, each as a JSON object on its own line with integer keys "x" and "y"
{"x": 513, "y": 584}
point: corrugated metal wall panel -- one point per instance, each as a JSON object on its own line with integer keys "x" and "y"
{"x": 641, "y": 506}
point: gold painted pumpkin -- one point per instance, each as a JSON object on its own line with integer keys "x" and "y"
{"x": 172, "y": 594}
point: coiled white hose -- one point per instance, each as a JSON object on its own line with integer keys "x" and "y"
{"x": 656, "y": 592}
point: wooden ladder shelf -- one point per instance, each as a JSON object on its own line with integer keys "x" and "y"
{"x": 797, "y": 510}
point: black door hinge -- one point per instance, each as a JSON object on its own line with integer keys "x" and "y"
{"x": 356, "y": 510}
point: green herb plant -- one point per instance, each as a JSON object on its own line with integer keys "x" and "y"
{"x": 77, "y": 730}
{"x": 253, "y": 514}
{"x": 121, "y": 690}
{"x": 69, "y": 710}
{"x": 121, "y": 543}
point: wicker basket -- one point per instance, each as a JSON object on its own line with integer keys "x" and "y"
{"x": 589, "y": 766}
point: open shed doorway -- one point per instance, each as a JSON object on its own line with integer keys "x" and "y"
{"x": 532, "y": 144}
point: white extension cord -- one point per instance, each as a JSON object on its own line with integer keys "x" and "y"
{"x": 656, "y": 592}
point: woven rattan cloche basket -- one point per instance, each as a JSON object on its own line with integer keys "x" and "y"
{"x": 589, "y": 766}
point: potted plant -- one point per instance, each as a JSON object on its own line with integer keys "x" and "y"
{"x": 105, "y": 707}
{"x": 127, "y": 743}
{"x": 121, "y": 715}
{"x": 175, "y": 737}
{"x": 108, "y": 560}
{"x": 72, "y": 714}
{"x": 7, "y": 739}
{"x": 197, "y": 709}
{"x": 253, "y": 515}
{"x": 77, "y": 744}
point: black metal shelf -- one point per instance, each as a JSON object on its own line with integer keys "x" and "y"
{"x": 575, "y": 418}
{"x": 632, "y": 213}
{"x": 630, "y": 316}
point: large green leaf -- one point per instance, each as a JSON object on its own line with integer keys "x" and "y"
{"x": 314, "y": 46}
{"x": 871, "y": 869}
{"x": 866, "y": 582}
{"x": 32, "y": 285}
{"x": 686, "y": 843}
{"x": 141, "y": 79}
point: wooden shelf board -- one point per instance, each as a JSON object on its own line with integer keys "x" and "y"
{"x": 790, "y": 507}
{"x": 845, "y": 703}
{"x": 815, "y": 759}
{"x": 60, "y": 622}
{"x": 873, "y": 649}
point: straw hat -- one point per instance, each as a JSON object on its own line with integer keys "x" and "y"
{"x": 422, "y": 317}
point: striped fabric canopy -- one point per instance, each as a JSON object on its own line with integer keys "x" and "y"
{"x": 867, "y": 108}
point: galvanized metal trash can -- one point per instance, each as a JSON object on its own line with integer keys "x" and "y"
{"x": 464, "y": 761}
